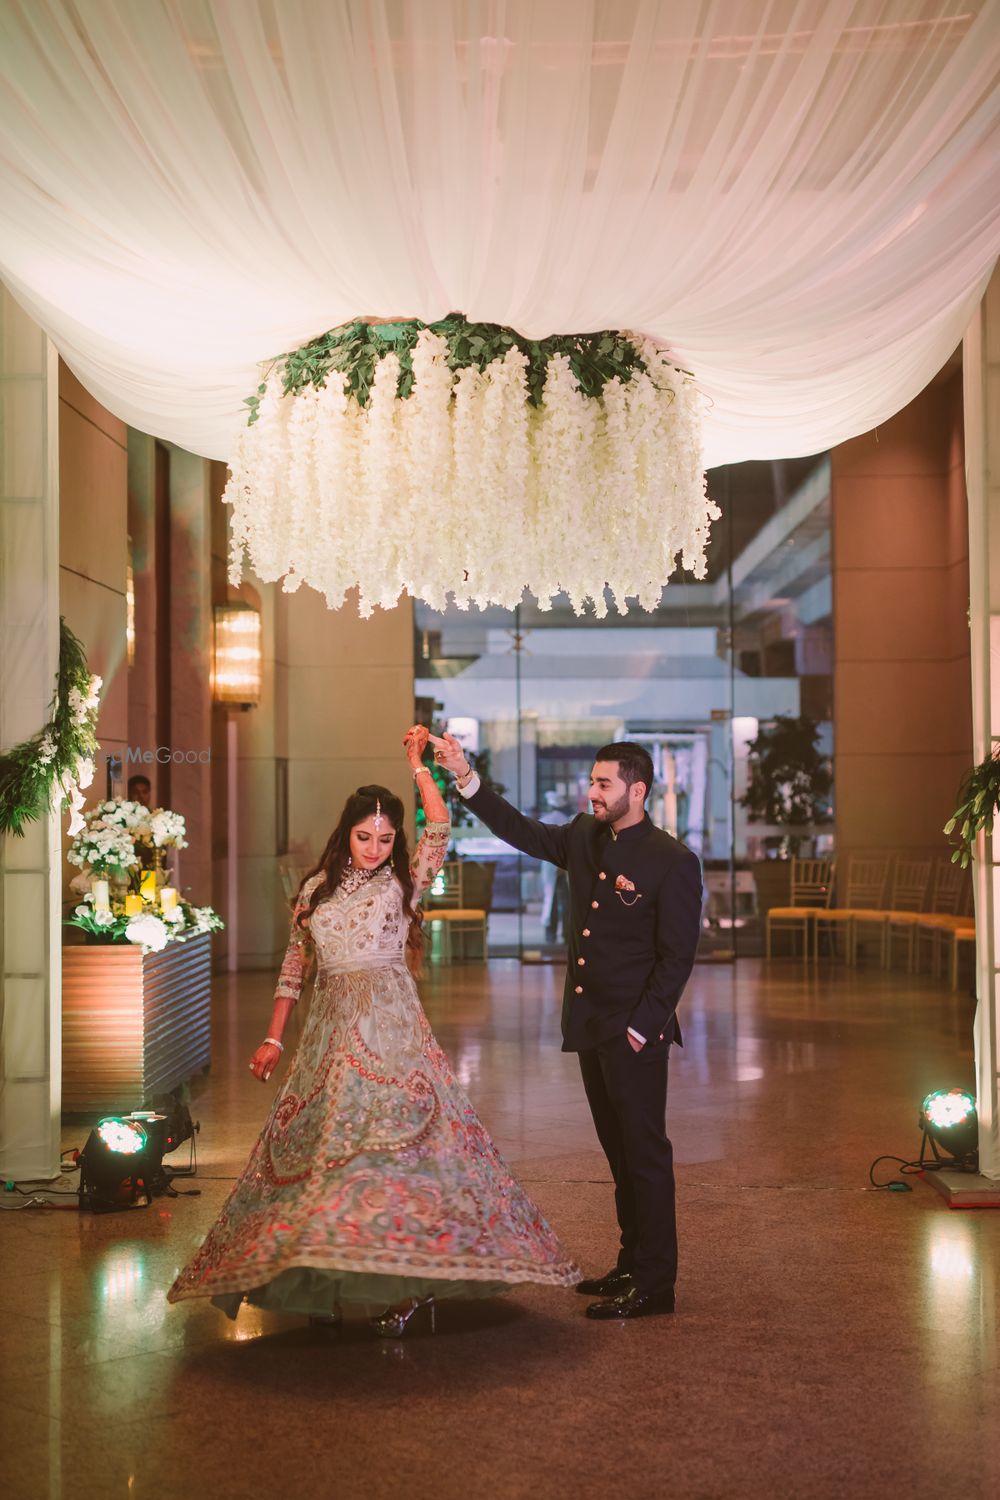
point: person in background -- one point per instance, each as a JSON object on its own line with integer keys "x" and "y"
{"x": 140, "y": 790}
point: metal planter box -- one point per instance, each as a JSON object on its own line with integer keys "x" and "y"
{"x": 133, "y": 1024}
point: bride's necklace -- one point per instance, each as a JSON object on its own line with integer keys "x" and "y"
{"x": 353, "y": 879}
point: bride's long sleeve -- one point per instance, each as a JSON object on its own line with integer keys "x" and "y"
{"x": 295, "y": 961}
{"x": 429, "y": 855}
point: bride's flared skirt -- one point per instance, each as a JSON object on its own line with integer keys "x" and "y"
{"x": 374, "y": 1178}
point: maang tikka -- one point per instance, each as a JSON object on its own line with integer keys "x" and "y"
{"x": 378, "y": 816}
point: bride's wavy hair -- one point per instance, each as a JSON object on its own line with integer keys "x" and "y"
{"x": 335, "y": 859}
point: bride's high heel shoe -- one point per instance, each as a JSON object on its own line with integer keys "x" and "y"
{"x": 393, "y": 1323}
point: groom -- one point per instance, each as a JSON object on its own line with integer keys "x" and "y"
{"x": 635, "y": 900}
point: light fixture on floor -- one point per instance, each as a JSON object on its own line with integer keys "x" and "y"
{"x": 119, "y": 1164}
{"x": 948, "y": 1120}
{"x": 177, "y": 1128}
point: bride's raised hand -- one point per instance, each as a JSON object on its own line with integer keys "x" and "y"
{"x": 415, "y": 743}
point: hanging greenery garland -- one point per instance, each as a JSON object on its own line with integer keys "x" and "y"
{"x": 59, "y": 759}
{"x": 462, "y": 460}
{"x": 355, "y": 349}
{"x": 977, "y": 803}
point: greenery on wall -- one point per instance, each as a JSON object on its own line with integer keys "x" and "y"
{"x": 58, "y": 758}
{"x": 977, "y": 802}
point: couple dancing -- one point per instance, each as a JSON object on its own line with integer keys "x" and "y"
{"x": 373, "y": 1180}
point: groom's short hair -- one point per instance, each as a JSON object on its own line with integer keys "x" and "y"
{"x": 634, "y": 763}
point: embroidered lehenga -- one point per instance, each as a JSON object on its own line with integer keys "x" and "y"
{"x": 373, "y": 1179}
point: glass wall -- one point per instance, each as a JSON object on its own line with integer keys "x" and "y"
{"x": 534, "y": 693}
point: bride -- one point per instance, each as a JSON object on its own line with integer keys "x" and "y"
{"x": 373, "y": 1180}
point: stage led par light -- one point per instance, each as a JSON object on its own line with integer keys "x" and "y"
{"x": 119, "y": 1164}
{"x": 178, "y": 1124}
{"x": 948, "y": 1119}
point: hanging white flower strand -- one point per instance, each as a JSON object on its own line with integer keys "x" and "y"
{"x": 449, "y": 475}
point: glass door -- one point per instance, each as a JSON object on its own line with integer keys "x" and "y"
{"x": 533, "y": 694}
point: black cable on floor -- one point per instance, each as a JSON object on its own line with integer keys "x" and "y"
{"x": 917, "y": 1169}
{"x": 38, "y": 1197}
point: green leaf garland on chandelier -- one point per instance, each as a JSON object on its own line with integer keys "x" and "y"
{"x": 463, "y": 461}
{"x": 58, "y": 759}
{"x": 356, "y": 348}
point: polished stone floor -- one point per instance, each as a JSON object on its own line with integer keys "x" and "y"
{"x": 830, "y": 1341}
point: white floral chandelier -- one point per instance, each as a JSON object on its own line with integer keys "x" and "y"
{"x": 462, "y": 461}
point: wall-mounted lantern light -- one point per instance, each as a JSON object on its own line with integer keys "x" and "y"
{"x": 236, "y": 666}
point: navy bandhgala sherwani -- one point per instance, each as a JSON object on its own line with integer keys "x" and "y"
{"x": 635, "y": 902}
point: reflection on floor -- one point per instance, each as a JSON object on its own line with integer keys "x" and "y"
{"x": 830, "y": 1341}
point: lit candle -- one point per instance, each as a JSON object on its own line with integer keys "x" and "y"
{"x": 168, "y": 899}
{"x": 133, "y": 903}
{"x": 102, "y": 901}
{"x": 147, "y": 885}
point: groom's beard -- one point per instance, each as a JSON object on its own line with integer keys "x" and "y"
{"x": 609, "y": 812}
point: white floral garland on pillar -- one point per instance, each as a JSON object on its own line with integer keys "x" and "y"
{"x": 57, "y": 763}
{"x": 428, "y": 467}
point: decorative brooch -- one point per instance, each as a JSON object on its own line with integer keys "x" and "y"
{"x": 624, "y": 889}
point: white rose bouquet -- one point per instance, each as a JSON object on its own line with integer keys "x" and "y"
{"x": 105, "y": 848}
{"x": 166, "y": 830}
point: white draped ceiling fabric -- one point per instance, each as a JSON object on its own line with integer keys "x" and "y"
{"x": 799, "y": 197}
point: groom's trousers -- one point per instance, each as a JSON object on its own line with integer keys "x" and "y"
{"x": 627, "y": 1093}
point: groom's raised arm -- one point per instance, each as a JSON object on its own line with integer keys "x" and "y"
{"x": 541, "y": 840}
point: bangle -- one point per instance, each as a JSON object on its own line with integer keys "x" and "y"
{"x": 465, "y": 776}
{"x": 422, "y": 771}
{"x": 272, "y": 1041}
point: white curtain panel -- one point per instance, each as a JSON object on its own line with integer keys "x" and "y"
{"x": 800, "y": 197}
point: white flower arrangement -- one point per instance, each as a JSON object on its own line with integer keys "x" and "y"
{"x": 120, "y": 813}
{"x": 150, "y": 929}
{"x": 99, "y": 916}
{"x": 102, "y": 846}
{"x": 148, "y": 932}
{"x": 166, "y": 830}
{"x": 205, "y": 919}
{"x": 106, "y": 845}
{"x": 472, "y": 483}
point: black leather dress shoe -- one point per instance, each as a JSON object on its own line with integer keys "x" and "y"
{"x": 631, "y": 1304}
{"x": 611, "y": 1285}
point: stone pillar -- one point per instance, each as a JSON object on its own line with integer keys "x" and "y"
{"x": 93, "y": 557}
{"x": 142, "y": 676}
{"x": 261, "y": 741}
{"x": 902, "y": 726}
{"x": 337, "y": 699}
{"x": 191, "y": 668}
{"x": 30, "y": 868}
{"x": 981, "y": 363}
{"x": 349, "y": 703}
